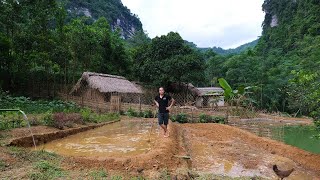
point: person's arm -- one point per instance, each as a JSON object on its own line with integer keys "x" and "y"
{"x": 171, "y": 104}
{"x": 157, "y": 104}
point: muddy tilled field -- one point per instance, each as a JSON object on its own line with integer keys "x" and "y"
{"x": 193, "y": 151}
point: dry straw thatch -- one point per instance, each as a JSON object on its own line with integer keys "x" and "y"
{"x": 105, "y": 83}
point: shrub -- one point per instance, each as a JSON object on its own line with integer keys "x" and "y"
{"x": 9, "y": 120}
{"x": 132, "y": 113}
{"x": 59, "y": 120}
{"x": 140, "y": 114}
{"x": 62, "y": 119}
{"x": 148, "y": 114}
{"x": 218, "y": 119}
{"x": 48, "y": 119}
{"x": 204, "y": 118}
{"x": 86, "y": 114}
{"x": 181, "y": 118}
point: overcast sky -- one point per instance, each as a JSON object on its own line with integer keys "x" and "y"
{"x": 207, "y": 23}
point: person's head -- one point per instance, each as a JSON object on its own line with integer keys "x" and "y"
{"x": 161, "y": 90}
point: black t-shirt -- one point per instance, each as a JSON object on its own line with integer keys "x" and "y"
{"x": 163, "y": 102}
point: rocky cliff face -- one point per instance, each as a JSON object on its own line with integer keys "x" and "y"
{"x": 114, "y": 11}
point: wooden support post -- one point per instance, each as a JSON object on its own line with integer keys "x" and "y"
{"x": 140, "y": 103}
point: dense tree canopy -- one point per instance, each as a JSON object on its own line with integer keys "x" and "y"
{"x": 168, "y": 59}
{"x": 39, "y": 47}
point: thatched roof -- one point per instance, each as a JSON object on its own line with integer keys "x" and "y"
{"x": 106, "y": 83}
{"x": 207, "y": 91}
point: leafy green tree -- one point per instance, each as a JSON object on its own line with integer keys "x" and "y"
{"x": 168, "y": 59}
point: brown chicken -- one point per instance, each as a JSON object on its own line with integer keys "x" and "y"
{"x": 282, "y": 174}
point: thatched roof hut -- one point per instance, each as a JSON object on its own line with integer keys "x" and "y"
{"x": 105, "y": 83}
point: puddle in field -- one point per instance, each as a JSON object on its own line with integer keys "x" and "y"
{"x": 125, "y": 138}
{"x": 236, "y": 159}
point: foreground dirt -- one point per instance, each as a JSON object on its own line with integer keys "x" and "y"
{"x": 201, "y": 148}
{"x": 227, "y": 150}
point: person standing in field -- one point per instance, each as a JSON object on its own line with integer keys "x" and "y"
{"x": 162, "y": 101}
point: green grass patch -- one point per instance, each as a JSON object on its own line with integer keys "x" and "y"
{"x": 98, "y": 174}
{"x": 43, "y": 170}
{"x": 2, "y": 164}
{"x": 33, "y": 156}
{"x": 116, "y": 177}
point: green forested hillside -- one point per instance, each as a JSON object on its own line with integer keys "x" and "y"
{"x": 286, "y": 61}
{"x": 41, "y": 49}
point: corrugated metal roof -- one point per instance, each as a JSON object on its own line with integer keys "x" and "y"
{"x": 206, "y": 91}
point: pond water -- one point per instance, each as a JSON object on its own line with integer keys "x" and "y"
{"x": 125, "y": 138}
{"x": 301, "y": 137}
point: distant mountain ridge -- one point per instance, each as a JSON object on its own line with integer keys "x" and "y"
{"x": 237, "y": 50}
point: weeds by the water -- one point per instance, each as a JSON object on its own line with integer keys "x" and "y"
{"x": 33, "y": 156}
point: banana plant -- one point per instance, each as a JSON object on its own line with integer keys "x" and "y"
{"x": 238, "y": 95}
